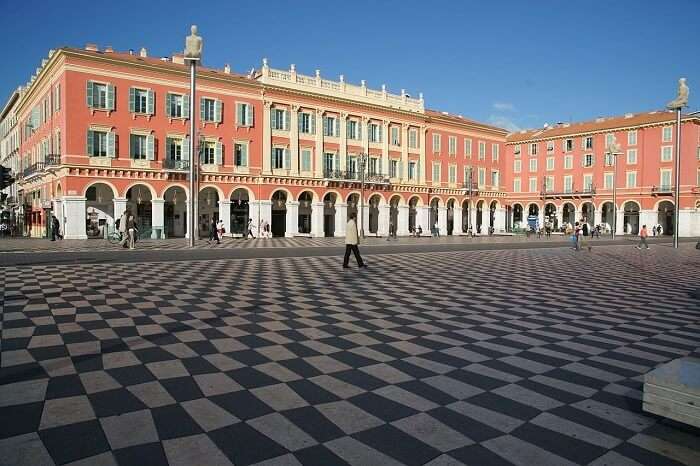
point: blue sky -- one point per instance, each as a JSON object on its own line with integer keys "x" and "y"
{"x": 518, "y": 64}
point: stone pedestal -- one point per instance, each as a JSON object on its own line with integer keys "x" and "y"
{"x": 317, "y": 220}
{"x": 499, "y": 224}
{"x": 424, "y": 219}
{"x": 225, "y": 215}
{"x": 74, "y": 208}
{"x": 157, "y": 218}
{"x": 672, "y": 390}
{"x": 341, "y": 219}
{"x": 620, "y": 230}
{"x": 402, "y": 221}
{"x": 383, "y": 220}
{"x": 292, "y": 228}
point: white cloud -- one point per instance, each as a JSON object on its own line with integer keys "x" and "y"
{"x": 504, "y": 122}
{"x": 503, "y": 106}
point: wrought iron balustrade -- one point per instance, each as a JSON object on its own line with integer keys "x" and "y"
{"x": 176, "y": 164}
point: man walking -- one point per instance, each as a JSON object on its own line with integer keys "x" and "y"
{"x": 352, "y": 239}
{"x": 55, "y": 229}
{"x": 643, "y": 237}
{"x": 213, "y": 233}
{"x": 249, "y": 229}
{"x": 122, "y": 228}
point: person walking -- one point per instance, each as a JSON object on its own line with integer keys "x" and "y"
{"x": 643, "y": 238}
{"x": 213, "y": 233}
{"x": 55, "y": 229}
{"x": 131, "y": 230}
{"x": 436, "y": 229}
{"x": 220, "y": 229}
{"x": 249, "y": 229}
{"x": 122, "y": 228}
{"x": 352, "y": 239}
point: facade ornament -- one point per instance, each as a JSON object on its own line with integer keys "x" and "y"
{"x": 682, "y": 99}
{"x": 193, "y": 45}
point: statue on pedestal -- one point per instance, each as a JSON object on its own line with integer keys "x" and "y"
{"x": 193, "y": 45}
{"x": 682, "y": 98}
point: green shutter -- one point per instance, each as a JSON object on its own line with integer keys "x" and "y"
{"x": 239, "y": 114}
{"x": 150, "y": 101}
{"x": 218, "y": 107}
{"x": 244, "y": 155}
{"x": 359, "y": 130}
{"x": 312, "y": 122}
{"x": 168, "y": 144}
{"x": 168, "y": 98}
{"x": 89, "y": 95}
{"x": 400, "y": 173}
{"x": 380, "y": 166}
{"x": 272, "y": 118}
{"x": 249, "y": 118}
{"x": 348, "y": 134}
{"x": 287, "y": 159}
{"x": 325, "y": 126}
{"x": 201, "y": 109}
{"x": 90, "y": 148}
{"x": 381, "y": 133}
{"x": 150, "y": 147}
{"x": 218, "y": 153}
{"x": 111, "y": 145}
{"x": 185, "y": 106}
{"x": 132, "y": 99}
{"x": 110, "y": 97}
{"x": 186, "y": 149}
{"x": 300, "y": 121}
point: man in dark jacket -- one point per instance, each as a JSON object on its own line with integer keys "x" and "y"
{"x": 55, "y": 229}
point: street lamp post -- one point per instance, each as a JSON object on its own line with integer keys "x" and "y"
{"x": 613, "y": 150}
{"x": 678, "y": 104}
{"x": 193, "y": 54}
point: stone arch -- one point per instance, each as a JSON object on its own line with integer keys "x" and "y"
{"x": 287, "y": 193}
{"x": 419, "y": 201}
{"x": 630, "y": 219}
{"x": 305, "y": 208}
{"x": 401, "y": 199}
{"x": 375, "y": 201}
{"x": 151, "y": 190}
{"x": 240, "y": 199}
{"x": 666, "y": 211}
{"x": 219, "y": 191}
{"x": 115, "y": 191}
{"x": 99, "y": 209}
{"x": 251, "y": 195}
{"x": 138, "y": 201}
{"x": 278, "y": 224}
{"x": 175, "y": 211}
{"x": 382, "y": 199}
{"x": 568, "y": 213}
{"x": 173, "y": 185}
{"x": 350, "y": 194}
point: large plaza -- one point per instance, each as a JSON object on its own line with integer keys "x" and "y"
{"x": 523, "y": 356}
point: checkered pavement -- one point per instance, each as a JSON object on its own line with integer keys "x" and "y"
{"x": 525, "y": 357}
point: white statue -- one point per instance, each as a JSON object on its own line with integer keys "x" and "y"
{"x": 193, "y": 45}
{"x": 682, "y": 98}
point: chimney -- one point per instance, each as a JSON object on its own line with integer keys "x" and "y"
{"x": 227, "y": 68}
{"x": 179, "y": 58}
{"x": 109, "y": 49}
{"x": 143, "y": 52}
{"x": 131, "y": 51}
{"x": 91, "y": 47}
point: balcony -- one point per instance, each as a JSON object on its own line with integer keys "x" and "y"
{"x": 33, "y": 169}
{"x": 181, "y": 165}
{"x": 53, "y": 160}
{"x": 347, "y": 175}
{"x": 471, "y": 188}
{"x": 662, "y": 190}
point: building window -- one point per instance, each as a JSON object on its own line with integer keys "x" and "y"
{"x": 100, "y": 144}
{"x": 393, "y": 168}
{"x": 482, "y": 177}
{"x": 329, "y": 162}
{"x": 413, "y": 139}
{"x": 532, "y": 185}
{"x": 631, "y": 179}
{"x": 468, "y": 147}
{"x": 568, "y": 162}
{"x": 100, "y": 96}
{"x": 609, "y": 138}
{"x": 495, "y": 152}
{"x": 666, "y": 153}
{"x": 330, "y": 126}
{"x": 209, "y": 153}
{"x": 244, "y": 114}
{"x": 667, "y": 134}
{"x": 210, "y": 110}
{"x": 608, "y": 180}
{"x": 665, "y": 183}
{"x": 138, "y": 146}
{"x": 588, "y": 142}
{"x": 482, "y": 150}
{"x": 452, "y": 174}
{"x": 174, "y": 148}
{"x": 568, "y": 145}
{"x": 373, "y": 168}
{"x": 57, "y": 98}
{"x": 177, "y": 106}
{"x": 516, "y": 150}
{"x": 306, "y": 123}
{"x": 278, "y": 158}
{"x": 352, "y": 129}
{"x": 517, "y": 165}
{"x": 452, "y": 145}
{"x": 550, "y": 146}
{"x": 436, "y": 173}
{"x": 140, "y": 101}
{"x": 375, "y": 132}
{"x": 306, "y": 160}
{"x": 533, "y": 148}
{"x": 278, "y": 119}
{"x": 494, "y": 179}
{"x": 533, "y": 165}
{"x": 550, "y": 163}
{"x": 436, "y": 142}
{"x": 631, "y": 156}
{"x": 516, "y": 185}
{"x": 568, "y": 184}
{"x": 411, "y": 170}
{"x": 588, "y": 160}
{"x": 395, "y": 139}
{"x": 549, "y": 184}
{"x": 588, "y": 183}
{"x": 632, "y": 138}
{"x": 240, "y": 154}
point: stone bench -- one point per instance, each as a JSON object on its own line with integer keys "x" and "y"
{"x": 672, "y": 390}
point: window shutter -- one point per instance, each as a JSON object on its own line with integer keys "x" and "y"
{"x": 348, "y": 134}
{"x": 218, "y": 154}
{"x": 400, "y": 173}
{"x": 285, "y": 120}
{"x": 150, "y": 100}
{"x": 201, "y": 108}
{"x": 110, "y": 145}
{"x": 381, "y": 134}
{"x": 359, "y": 130}
{"x": 380, "y": 166}
{"x": 185, "y": 106}
{"x": 336, "y": 129}
{"x": 88, "y": 94}
{"x": 218, "y": 107}
{"x": 244, "y": 155}
{"x": 168, "y": 144}
{"x": 110, "y": 97}
{"x": 592, "y": 159}
{"x": 150, "y": 147}
{"x": 186, "y": 149}
{"x": 89, "y": 149}
{"x": 132, "y": 99}
{"x": 249, "y": 116}
{"x": 312, "y": 123}
{"x": 239, "y": 114}
{"x": 325, "y": 126}
{"x": 273, "y": 118}
{"x": 287, "y": 159}
{"x": 168, "y": 99}
{"x": 300, "y": 122}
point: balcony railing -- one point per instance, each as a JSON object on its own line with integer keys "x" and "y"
{"x": 176, "y": 164}
{"x": 53, "y": 160}
{"x": 472, "y": 187}
{"x": 590, "y": 192}
{"x": 33, "y": 169}
{"x": 661, "y": 190}
{"x": 348, "y": 175}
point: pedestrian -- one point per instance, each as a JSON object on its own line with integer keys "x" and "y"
{"x": 131, "y": 230}
{"x": 121, "y": 226}
{"x": 249, "y": 229}
{"x": 470, "y": 231}
{"x": 55, "y": 229}
{"x": 213, "y": 233}
{"x": 419, "y": 231}
{"x": 220, "y": 229}
{"x": 653, "y": 230}
{"x": 352, "y": 239}
{"x": 436, "y": 229}
{"x": 575, "y": 237}
{"x": 658, "y": 230}
{"x": 391, "y": 229}
{"x": 643, "y": 238}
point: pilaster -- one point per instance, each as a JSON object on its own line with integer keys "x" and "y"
{"x": 385, "y": 147}
{"x": 457, "y": 221}
{"x": 157, "y": 218}
{"x": 343, "y": 129}
{"x": 403, "y": 175}
{"x": 318, "y": 153}
{"x": 225, "y": 215}
{"x": 317, "y": 220}
{"x": 383, "y": 220}
{"x": 402, "y": 221}
{"x": 341, "y": 218}
{"x": 292, "y": 225}
{"x": 422, "y": 169}
{"x": 267, "y": 137}
{"x": 74, "y": 208}
{"x": 442, "y": 220}
{"x": 294, "y": 138}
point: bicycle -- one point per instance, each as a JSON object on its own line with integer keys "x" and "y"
{"x": 114, "y": 237}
